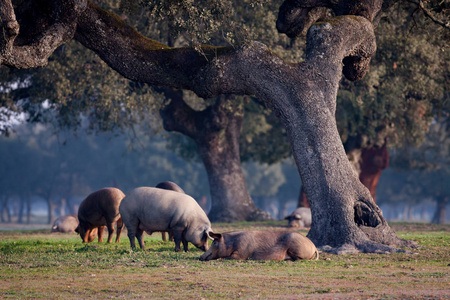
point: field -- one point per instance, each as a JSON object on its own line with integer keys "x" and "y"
{"x": 39, "y": 264}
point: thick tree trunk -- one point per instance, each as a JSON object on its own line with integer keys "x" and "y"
{"x": 373, "y": 161}
{"x": 229, "y": 196}
{"x": 50, "y": 211}
{"x": 216, "y": 131}
{"x": 441, "y": 210}
{"x": 5, "y": 210}
{"x": 21, "y": 209}
{"x": 28, "y": 200}
{"x": 368, "y": 162}
{"x": 302, "y": 200}
{"x": 345, "y": 218}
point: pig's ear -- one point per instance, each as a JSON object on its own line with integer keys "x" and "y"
{"x": 298, "y": 217}
{"x": 77, "y": 230}
{"x": 214, "y": 236}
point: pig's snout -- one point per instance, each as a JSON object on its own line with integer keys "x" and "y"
{"x": 205, "y": 257}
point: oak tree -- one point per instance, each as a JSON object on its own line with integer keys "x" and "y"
{"x": 303, "y": 95}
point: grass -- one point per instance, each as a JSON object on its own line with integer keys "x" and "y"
{"x": 38, "y": 264}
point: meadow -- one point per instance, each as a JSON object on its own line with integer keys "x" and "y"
{"x": 38, "y": 264}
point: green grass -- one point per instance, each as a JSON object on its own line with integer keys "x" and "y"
{"x": 38, "y": 264}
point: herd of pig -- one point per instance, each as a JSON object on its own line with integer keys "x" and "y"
{"x": 167, "y": 208}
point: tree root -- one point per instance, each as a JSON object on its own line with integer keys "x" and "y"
{"x": 365, "y": 247}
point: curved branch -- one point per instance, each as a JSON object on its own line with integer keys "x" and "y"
{"x": 295, "y": 17}
{"x": 10, "y": 26}
{"x": 427, "y": 13}
{"x": 35, "y": 52}
{"x": 218, "y": 70}
{"x": 177, "y": 115}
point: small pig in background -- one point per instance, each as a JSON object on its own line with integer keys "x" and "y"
{"x": 261, "y": 245}
{"x": 301, "y": 217}
{"x": 100, "y": 209}
{"x": 65, "y": 224}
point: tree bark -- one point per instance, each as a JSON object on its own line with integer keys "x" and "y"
{"x": 216, "y": 131}
{"x": 345, "y": 218}
{"x": 369, "y": 161}
{"x": 302, "y": 200}
{"x": 28, "y": 39}
{"x": 441, "y": 210}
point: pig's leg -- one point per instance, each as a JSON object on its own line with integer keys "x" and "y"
{"x": 132, "y": 227}
{"x": 185, "y": 242}
{"x": 131, "y": 236}
{"x": 101, "y": 229}
{"x": 139, "y": 236}
{"x": 177, "y": 237}
{"x": 110, "y": 227}
{"x": 120, "y": 226}
{"x": 85, "y": 238}
{"x": 163, "y": 236}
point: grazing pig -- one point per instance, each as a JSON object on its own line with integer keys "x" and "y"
{"x": 152, "y": 209}
{"x": 171, "y": 186}
{"x": 100, "y": 209}
{"x": 301, "y": 217}
{"x": 65, "y": 224}
{"x": 261, "y": 245}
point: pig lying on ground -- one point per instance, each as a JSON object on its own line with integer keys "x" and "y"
{"x": 301, "y": 217}
{"x": 171, "y": 186}
{"x": 261, "y": 245}
{"x": 65, "y": 224}
{"x": 99, "y": 209}
{"x": 153, "y": 209}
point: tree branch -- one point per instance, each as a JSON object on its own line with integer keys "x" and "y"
{"x": 10, "y": 26}
{"x": 34, "y": 52}
{"x": 218, "y": 70}
{"x": 177, "y": 115}
{"x": 427, "y": 13}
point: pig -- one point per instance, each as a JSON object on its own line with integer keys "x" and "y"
{"x": 301, "y": 217}
{"x": 152, "y": 209}
{"x": 172, "y": 186}
{"x": 65, "y": 224}
{"x": 169, "y": 185}
{"x": 261, "y": 245}
{"x": 100, "y": 209}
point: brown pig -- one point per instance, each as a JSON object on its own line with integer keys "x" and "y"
{"x": 100, "y": 209}
{"x": 152, "y": 209}
{"x": 65, "y": 224}
{"x": 261, "y": 245}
